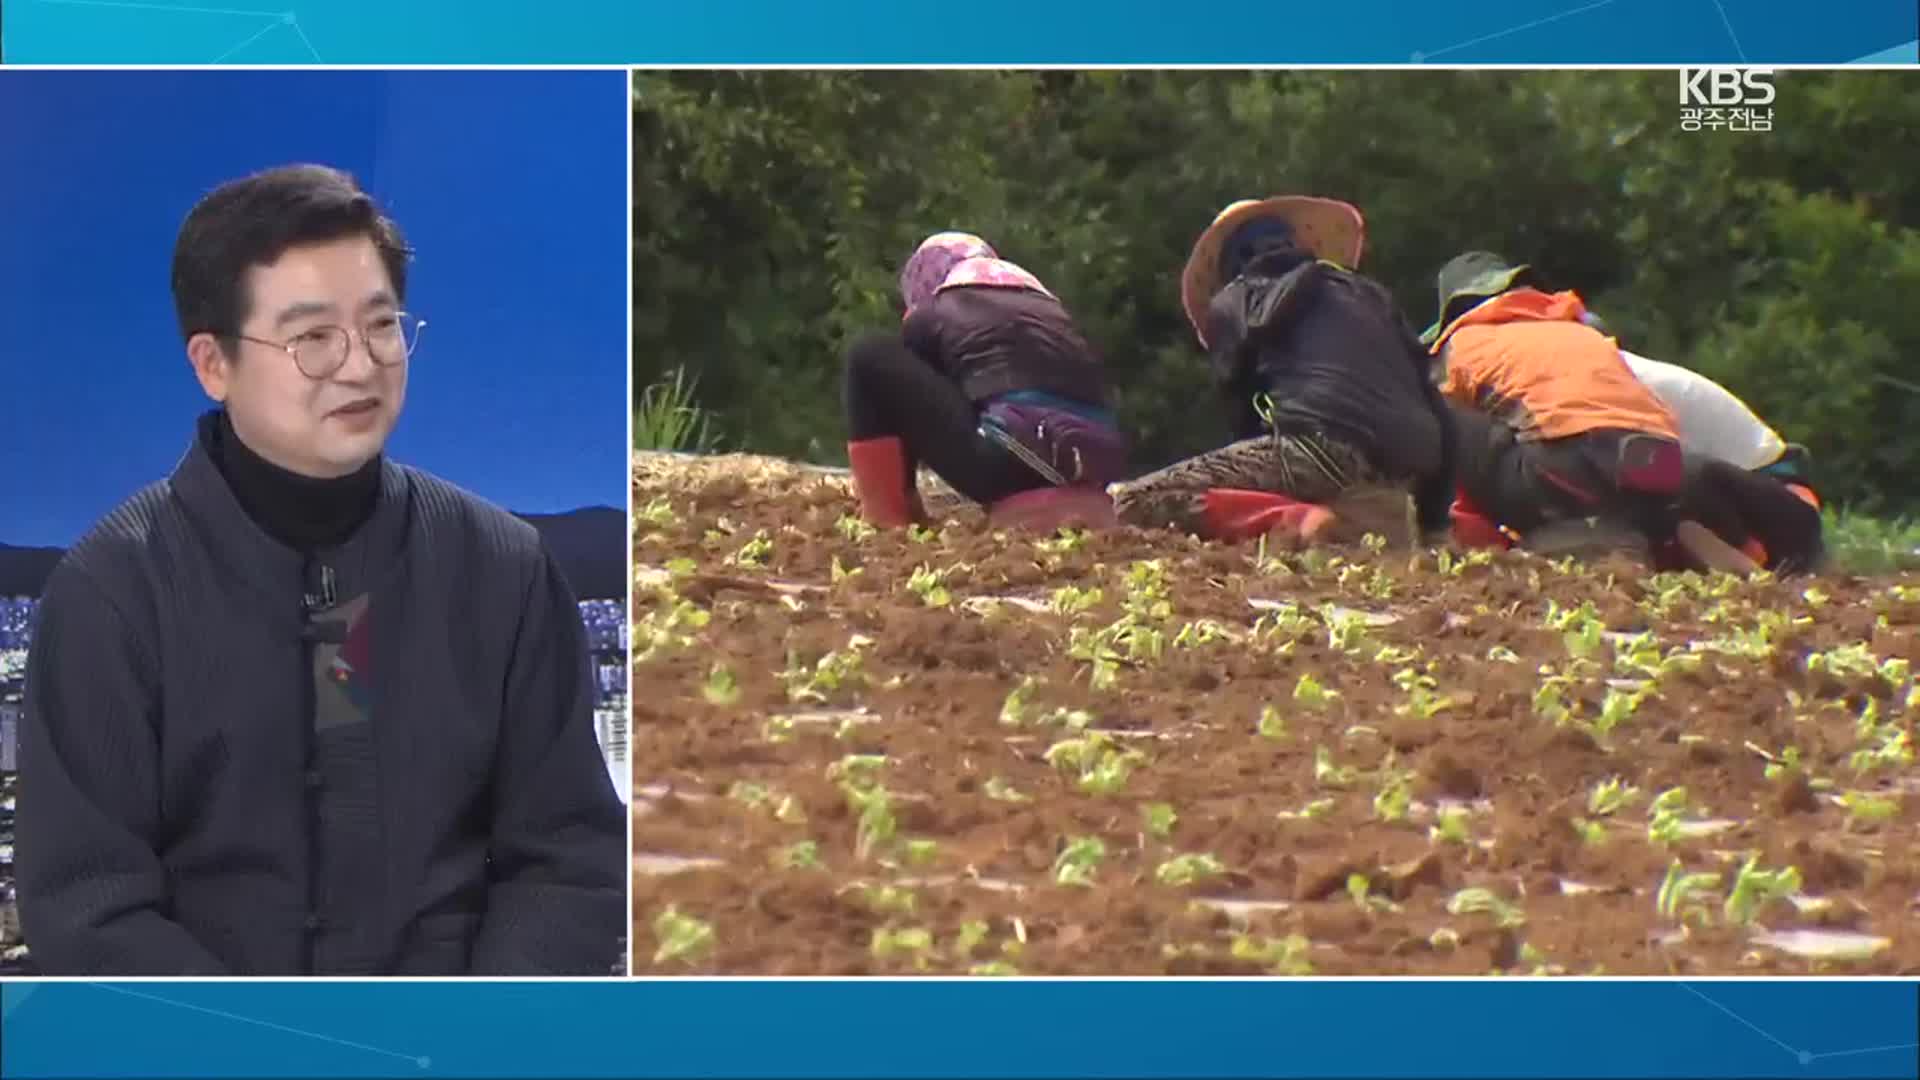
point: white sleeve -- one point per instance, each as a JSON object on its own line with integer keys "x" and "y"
{"x": 1712, "y": 420}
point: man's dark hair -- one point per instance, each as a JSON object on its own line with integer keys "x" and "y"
{"x": 251, "y": 222}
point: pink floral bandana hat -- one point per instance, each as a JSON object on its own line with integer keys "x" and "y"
{"x": 950, "y": 260}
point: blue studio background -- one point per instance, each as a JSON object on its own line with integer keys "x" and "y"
{"x": 511, "y": 186}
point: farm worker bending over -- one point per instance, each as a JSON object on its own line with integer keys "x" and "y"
{"x": 1324, "y": 383}
{"x": 989, "y": 381}
{"x": 1555, "y": 427}
{"x": 1744, "y": 482}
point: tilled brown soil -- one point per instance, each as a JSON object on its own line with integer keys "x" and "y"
{"x": 831, "y": 779}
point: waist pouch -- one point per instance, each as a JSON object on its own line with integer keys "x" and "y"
{"x": 1650, "y": 465}
{"x": 1068, "y": 449}
{"x": 1646, "y": 474}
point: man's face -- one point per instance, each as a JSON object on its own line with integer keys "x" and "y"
{"x": 320, "y": 427}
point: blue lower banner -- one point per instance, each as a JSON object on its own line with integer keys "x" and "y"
{"x": 963, "y": 1029}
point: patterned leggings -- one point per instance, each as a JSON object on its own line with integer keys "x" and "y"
{"x": 1311, "y": 468}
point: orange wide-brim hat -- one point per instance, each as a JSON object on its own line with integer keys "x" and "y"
{"x": 1332, "y": 230}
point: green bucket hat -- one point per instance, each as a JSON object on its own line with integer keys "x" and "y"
{"x": 1475, "y": 275}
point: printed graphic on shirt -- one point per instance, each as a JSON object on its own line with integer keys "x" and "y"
{"x": 343, "y": 671}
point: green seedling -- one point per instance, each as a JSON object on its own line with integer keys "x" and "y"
{"x": 1422, "y": 702}
{"x": 779, "y": 729}
{"x": 854, "y": 529}
{"x": 1201, "y": 632}
{"x": 756, "y": 550}
{"x": 1846, "y": 660}
{"x": 1592, "y": 833}
{"x": 1760, "y": 641}
{"x": 1864, "y": 808}
{"x": 1072, "y": 719}
{"x": 920, "y": 534}
{"x": 1309, "y": 693}
{"x": 1892, "y": 748}
{"x": 1064, "y": 542}
{"x": 1393, "y": 655}
{"x": 1815, "y": 598}
{"x": 1786, "y": 764}
{"x": 1101, "y": 765}
{"x": 972, "y": 935}
{"x": 915, "y": 942}
{"x": 1612, "y": 795}
{"x": 922, "y": 852}
{"x": 658, "y": 512}
{"x": 875, "y": 824}
{"x": 1360, "y": 891}
{"x": 1071, "y": 600}
{"x": 660, "y": 631}
{"x": 1079, "y": 860}
{"x": 1013, "y": 710}
{"x": 857, "y": 770}
{"x": 1500, "y": 654}
{"x": 1395, "y": 796}
{"x": 1328, "y": 774}
{"x": 841, "y": 573}
{"x": 927, "y": 584}
{"x": 1584, "y": 638}
{"x": 1679, "y": 897}
{"x": 1564, "y": 619}
{"x": 1147, "y": 590}
{"x": 681, "y": 567}
{"x": 1549, "y": 701}
{"x": 1884, "y": 744}
{"x": 1374, "y": 543}
{"x": 681, "y": 937}
{"x": 1159, "y": 819}
{"x": 1666, "y": 815}
{"x": 1281, "y": 956}
{"x": 748, "y": 792}
{"x": 998, "y": 789}
{"x": 1615, "y": 709}
{"x": 1477, "y": 900}
{"x": 804, "y": 855}
{"x": 1313, "y": 811}
{"x": 1754, "y": 888}
{"x": 1454, "y": 826}
{"x": 993, "y": 968}
{"x": 836, "y": 670}
{"x": 1272, "y": 724}
{"x": 1183, "y": 870}
{"x": 1346, "y": 631}
{"x": 1445, "y": 939}
{"x": 1286, "y": 624}
{"x": 721, "y": 688}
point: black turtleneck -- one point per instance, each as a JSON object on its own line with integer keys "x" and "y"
{"x": 302, "y": 512}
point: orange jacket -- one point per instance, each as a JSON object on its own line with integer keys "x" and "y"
{"x": 1525, "y": 358}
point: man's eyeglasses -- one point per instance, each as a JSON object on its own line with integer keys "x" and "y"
{"x": 323, "y": 350}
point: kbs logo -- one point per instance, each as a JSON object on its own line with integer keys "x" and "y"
{"x": 1725, "y": 98}
{"x": 1726, "y": 86}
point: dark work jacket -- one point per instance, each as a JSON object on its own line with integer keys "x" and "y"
{"x": 994, "y": 341}
{"x": 1336, "y": 357}
{"x": 379, "y": 760}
